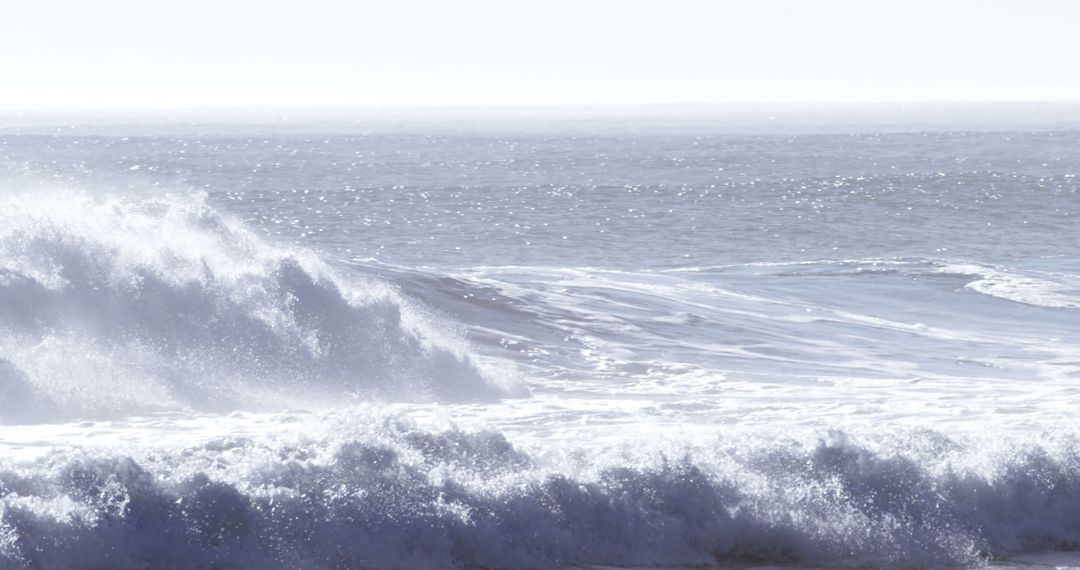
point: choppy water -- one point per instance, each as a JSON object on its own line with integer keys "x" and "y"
{"x": 254, "y": 347}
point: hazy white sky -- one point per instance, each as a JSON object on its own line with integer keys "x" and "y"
{"x": 149, "y": 54}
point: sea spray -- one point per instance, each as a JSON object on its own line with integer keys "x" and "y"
{"x": 114, "y": 306}
{"x": 374, "y": 489}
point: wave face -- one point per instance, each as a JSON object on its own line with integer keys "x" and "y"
{"x": 118, "y": 306}
{"x": 382, "y": 492}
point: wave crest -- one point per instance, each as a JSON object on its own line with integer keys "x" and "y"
{"x": 118, "y": 305}
{"x": 397, "y": 496}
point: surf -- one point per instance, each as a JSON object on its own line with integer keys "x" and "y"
{"x": 112, "y": 305}
{"x": 370, "y": 487}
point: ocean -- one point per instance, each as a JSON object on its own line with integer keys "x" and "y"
{"x": 538, "y": 344}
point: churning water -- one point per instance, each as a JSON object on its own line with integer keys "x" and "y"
{"x": 425, "y": 347}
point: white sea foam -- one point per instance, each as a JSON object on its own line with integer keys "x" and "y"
{"x": 1040, "y": 288}
{"x": 368, "y": 489}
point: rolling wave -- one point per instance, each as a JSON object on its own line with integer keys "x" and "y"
{"x": 378, "y": 491}
{"x": 113, "y": 306}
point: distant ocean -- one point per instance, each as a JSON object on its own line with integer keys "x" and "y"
{"x": 542, "y": 345}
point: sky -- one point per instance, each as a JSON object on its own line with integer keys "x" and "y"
{"x": 135, "y": 54}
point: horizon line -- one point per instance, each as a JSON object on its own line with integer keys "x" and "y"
{"x": 757, "y": 105}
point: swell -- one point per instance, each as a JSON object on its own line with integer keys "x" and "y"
{"x": 401, "y": 497}
{"x": 122, "y": 305}
{"x": 1037, "y": 287}
{"x": 872, "y": 318}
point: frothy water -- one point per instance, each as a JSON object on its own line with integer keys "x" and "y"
{"x": 362, "y": 490}
{"x": 244, "y": 349}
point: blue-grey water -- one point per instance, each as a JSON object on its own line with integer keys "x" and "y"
{"x": 428, "y": 346}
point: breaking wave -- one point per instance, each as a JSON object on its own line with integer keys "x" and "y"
{"x": 392, "y": 495}
{"x": 114, "y": 305}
